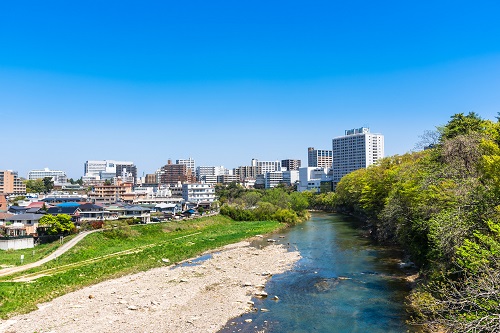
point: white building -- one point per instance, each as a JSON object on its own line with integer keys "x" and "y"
{"x": 357, "y": 149}
{"x": 109, "y": 169}
{"x": 290, "y": 177}
{"x": 189, "y": 163}
{"x": 198, "y": 192}
{"x": 272, "y": 179}
{"x": 208, "y": 174}
{"x": 310, "y": 178}
{"x": 57, "y": 176}
{"x": 266, "y": 166}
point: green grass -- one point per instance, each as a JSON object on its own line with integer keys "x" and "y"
{"x": 97, "y": 258}
{"x": 13, "y": 257}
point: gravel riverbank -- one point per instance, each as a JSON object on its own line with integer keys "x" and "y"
{"x": 199, "y": 297}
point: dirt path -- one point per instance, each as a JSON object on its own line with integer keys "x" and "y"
{"x": 184, "y": 298}
{"x": 62, "y": 249}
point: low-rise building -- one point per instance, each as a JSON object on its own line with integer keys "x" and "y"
{"x": 311, "y": 178}
{"x": 198, "y": 192}
{"x": 57, "y": 176}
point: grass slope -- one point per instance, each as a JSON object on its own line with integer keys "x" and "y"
{"x": 99, "y": 257}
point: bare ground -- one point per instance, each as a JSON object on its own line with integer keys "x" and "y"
{"x": 199, "y": 298}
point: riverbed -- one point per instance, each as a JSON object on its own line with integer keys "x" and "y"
{"x": 344, "y": 282}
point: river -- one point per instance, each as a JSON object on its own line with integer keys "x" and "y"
{"x": 343, "y": 283}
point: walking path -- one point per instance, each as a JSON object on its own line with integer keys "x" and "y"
{"x": 65, "y": 247}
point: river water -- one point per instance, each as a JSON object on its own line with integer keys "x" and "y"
{"x": 343, "y": 283}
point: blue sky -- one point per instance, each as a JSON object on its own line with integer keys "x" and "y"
{"x": 227, "y": 81}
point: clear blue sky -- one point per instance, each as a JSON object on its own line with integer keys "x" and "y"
{"x": 226, "y": 81}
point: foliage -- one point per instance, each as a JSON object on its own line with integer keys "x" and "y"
{"x": 60, "y": 224}
{"x": 118, "y": 229}
{"x": 277, "y": 204}
{"x": 443, "y": 206}
{"x": 40, "y": 185}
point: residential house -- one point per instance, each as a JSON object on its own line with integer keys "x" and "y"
{"x": 30, "y": 221}
{"x": 71, "y": 210}
{"x": 17, "y": 210}
{"x": 91, "y": 212}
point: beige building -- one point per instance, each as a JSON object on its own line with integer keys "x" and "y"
{"x": 10, "y": 183}
{"x": 107, "y": 194}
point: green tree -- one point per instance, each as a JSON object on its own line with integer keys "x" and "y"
{"x": 462, "y": 124}
{"x": 48, "y": 184}
{"x": 60, "y": 224}
{"x": 35, "y": 186}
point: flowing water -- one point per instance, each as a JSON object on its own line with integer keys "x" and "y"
{"x": 343, "y": 283}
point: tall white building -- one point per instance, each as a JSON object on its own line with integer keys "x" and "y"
{"x": 208, "y": 174}
{"x": 357, "y": 149}
{"x": 267, "y": 166}
{"x": 57, "y": 176}
{"x": 189, "y": 163}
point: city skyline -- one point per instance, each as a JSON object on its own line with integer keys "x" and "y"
{"x": 225, "y": 82}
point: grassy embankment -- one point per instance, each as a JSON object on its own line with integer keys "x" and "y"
{"x": 13, "y": 257}
{"x": 99, "y": 257}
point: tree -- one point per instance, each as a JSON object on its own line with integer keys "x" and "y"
{"x": 461, "y": 124}
{"x": 35, "y": 186}
{"x": 59, "y": 224}
{"x": 48, "y": 184}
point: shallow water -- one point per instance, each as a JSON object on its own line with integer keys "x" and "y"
{"x": 343, "y": 283}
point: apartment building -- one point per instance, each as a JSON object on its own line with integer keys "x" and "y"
{"x": 57, "y": 176}
{"x": 10, "y": 183}
{"x": 107, "y": 194}
{"x": 209, "y": 174}
{"x": 318, "y": 158}
{"x": 190, "y": 163}
{"x": 291, "y": 165}
{"x": 244, "y": 172}
{"x": 198, "y": 192}
{"x": 171, "y": 174}
{"x": 357, "y": 149}
{"x": 266, "y": 166}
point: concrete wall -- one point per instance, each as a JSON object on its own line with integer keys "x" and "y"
{"x": 17, "y": 243}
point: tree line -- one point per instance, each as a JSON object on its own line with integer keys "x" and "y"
{"x": 442, "y": 205}
{"x": 277, "y": 204}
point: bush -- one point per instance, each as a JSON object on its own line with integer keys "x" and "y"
{"x": 118, "y": 229}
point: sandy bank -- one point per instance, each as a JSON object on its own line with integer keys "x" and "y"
{"x": 199, "y": 298}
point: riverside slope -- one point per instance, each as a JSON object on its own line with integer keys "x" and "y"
{"x": 198, "y": 298}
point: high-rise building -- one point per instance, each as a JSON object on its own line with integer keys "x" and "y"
{"x": 172, "y": 174}
{"x": 267, "y": 166}
{"x": 357, "y": 149}
{"x": 319, "y": 158}
{"x": 57, "y": 176}
{"x": 291, "y": 165}
{"x": 244, "y": 172}
{"x": 10, "y": 183}
{"x": 189, "y": 163}
{"x": 208, "y": 174}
